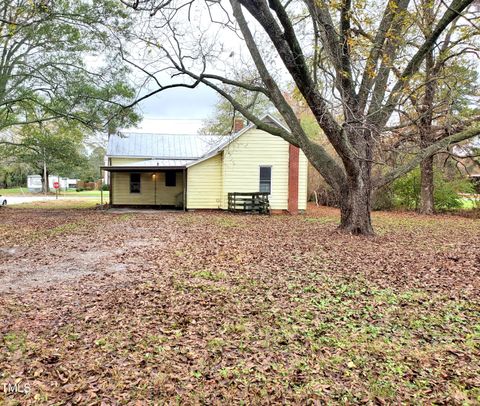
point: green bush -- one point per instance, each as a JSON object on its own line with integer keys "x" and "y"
{"x": 80, "y": 189}
{"x": 105, "y": 187}
{"x": 406, "y": 191}
{"x": 383, "y": 199}
{"x": 446, "y": 193}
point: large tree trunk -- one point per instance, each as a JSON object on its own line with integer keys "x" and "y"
{"x": 355, "y": 203}
{"x": 355, "y": 212}
{"x": 426, "y": 187}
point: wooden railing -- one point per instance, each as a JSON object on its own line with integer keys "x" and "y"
{"x": 254, "y": 202}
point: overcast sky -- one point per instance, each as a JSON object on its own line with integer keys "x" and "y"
{"x": 179, "y": 111}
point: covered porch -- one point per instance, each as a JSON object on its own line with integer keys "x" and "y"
{"x": 155, "y": 184}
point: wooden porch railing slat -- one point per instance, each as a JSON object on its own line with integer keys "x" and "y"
{"x": 254, "y": 202}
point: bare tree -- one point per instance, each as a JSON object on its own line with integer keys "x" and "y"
{"x": 352, "y": 72}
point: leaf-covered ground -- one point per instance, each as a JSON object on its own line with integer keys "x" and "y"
{"x": 211, "y": 308}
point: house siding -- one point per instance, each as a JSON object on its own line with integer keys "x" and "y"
{"x": 242, "y": 161}
{"x": 204, "y": 184}
{"x": 164, "y": 195}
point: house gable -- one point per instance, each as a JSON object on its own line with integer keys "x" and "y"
{"x": 242, "y": 160}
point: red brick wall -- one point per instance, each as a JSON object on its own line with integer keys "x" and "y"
{"x": 293, "y": 164}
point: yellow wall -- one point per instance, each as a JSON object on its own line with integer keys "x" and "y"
{"x": 164, "y": 195}
{"x": 237, "y": 169}
{"x": 204, "y": 184}
{"x": 242, "y": 161}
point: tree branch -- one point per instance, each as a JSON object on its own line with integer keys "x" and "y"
{"x": 425, "y": 153}
{"x": 296, "y": 65}
{"x": 380, "y": 117}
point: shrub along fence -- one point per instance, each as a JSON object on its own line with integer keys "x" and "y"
{"x": 89, "y": 185}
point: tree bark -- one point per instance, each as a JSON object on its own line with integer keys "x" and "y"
{"x": 45, "y": 177}
{"x": 426, "y": 186}
{"x": 355, "y": 210}
{"x": 426, "y": 120}
{"x": 355, "y": 202}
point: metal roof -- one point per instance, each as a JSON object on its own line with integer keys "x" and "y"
{"x": 162, "y": 146}
{"x": 161, "y": 163}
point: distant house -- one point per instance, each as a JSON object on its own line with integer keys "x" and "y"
{"x": 199, "y": 171}
{"x": 64, "y": 183}
{"x": 35, "y": 185}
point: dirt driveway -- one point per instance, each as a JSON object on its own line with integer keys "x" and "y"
{"x": 52, "y": 246}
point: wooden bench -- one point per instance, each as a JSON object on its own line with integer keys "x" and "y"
{"x": 254, "y": 202}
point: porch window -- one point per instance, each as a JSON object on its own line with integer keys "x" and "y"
{"x": 170, "y": 179}
{"x": 265, "y": 179}
{"x": 134, "y": 183}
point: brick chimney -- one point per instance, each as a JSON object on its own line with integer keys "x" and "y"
{"x": 237, "y": 124}
{"x": 293, "y": 167}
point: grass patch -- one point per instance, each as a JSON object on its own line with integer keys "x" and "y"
{"x": 84, "y": 193}
{"x": 87, "y": 193}
{"x": 126, "y": 217}
{"x": 66, "y": 228}
{"x": 321, "y": 220}
{"x": 14, "y": 192}
{"x": 210, "y": 275}
{"x": 62, "y": 229}
{"x": 15, "y": 341}
{"x": 228, "y": 222}
{"x": 470, "y": 203}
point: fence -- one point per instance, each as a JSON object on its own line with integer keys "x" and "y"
{"x": 89, "y": 185}
{"x": 255, "y": 202}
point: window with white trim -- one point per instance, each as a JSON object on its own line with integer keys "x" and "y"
{"x": 265, "y": 179}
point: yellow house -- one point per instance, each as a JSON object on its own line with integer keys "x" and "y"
{"x": 200, "y": 171}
